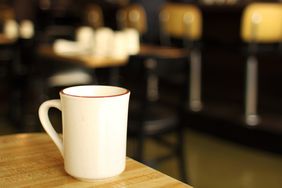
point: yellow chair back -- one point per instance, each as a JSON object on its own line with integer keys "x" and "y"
{"x": 132, "y": 16}
{"x": 181, "y": 20}
{"x": 94, "y": 16}
{"x": 262, "y": 22}
{"x": 6, "y": 13}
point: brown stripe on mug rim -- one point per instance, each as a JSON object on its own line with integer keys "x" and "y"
{"x": 104, "y": 96}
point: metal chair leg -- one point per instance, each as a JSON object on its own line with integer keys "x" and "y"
{"x": 140, "y": 148}
{"x": 195, "y": 103}
{"x": 251, "y": 115}
{"x": 181, "y": 156}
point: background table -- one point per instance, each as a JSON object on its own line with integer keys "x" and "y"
{"x": 30, "y": 160}
{"x": 95, "y": 62}
{"x": 83, "y": 59}
{"x": 91, "y": 61}
{"x": 4, "y": 40}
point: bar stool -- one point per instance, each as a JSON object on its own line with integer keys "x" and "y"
{"x": 261, "y": 25}
{"x": 184, "y": 21}
{"x": 152, "y": 116}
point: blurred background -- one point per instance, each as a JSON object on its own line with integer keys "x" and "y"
{"x": 205, "y": 79}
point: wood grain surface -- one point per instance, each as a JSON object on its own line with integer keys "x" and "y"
{"x": 32, "y": 160}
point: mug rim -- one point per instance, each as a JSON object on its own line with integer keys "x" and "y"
{"x": 62, "y": 92}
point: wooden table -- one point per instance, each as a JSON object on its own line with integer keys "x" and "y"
{"x": 83, "y": 59}
{"x": 165, "y": 52}
{"x": 94, "y": 62}
{"x": 105, "y": 62}
{"x": 4, "y": 40}
{"x": 32, "y": 160}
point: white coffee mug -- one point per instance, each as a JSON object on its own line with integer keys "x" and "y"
{"x": 94, "y": 130}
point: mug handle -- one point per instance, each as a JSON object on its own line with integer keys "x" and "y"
{"x": 45, "y": 121}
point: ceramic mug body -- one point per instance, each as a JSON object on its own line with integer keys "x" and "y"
{"x": 94, "y": 122}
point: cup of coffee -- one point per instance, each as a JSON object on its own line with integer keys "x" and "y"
{"x": 94, "y": 120}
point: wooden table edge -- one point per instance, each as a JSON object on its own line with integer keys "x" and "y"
{"x": 26, "y": 138}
